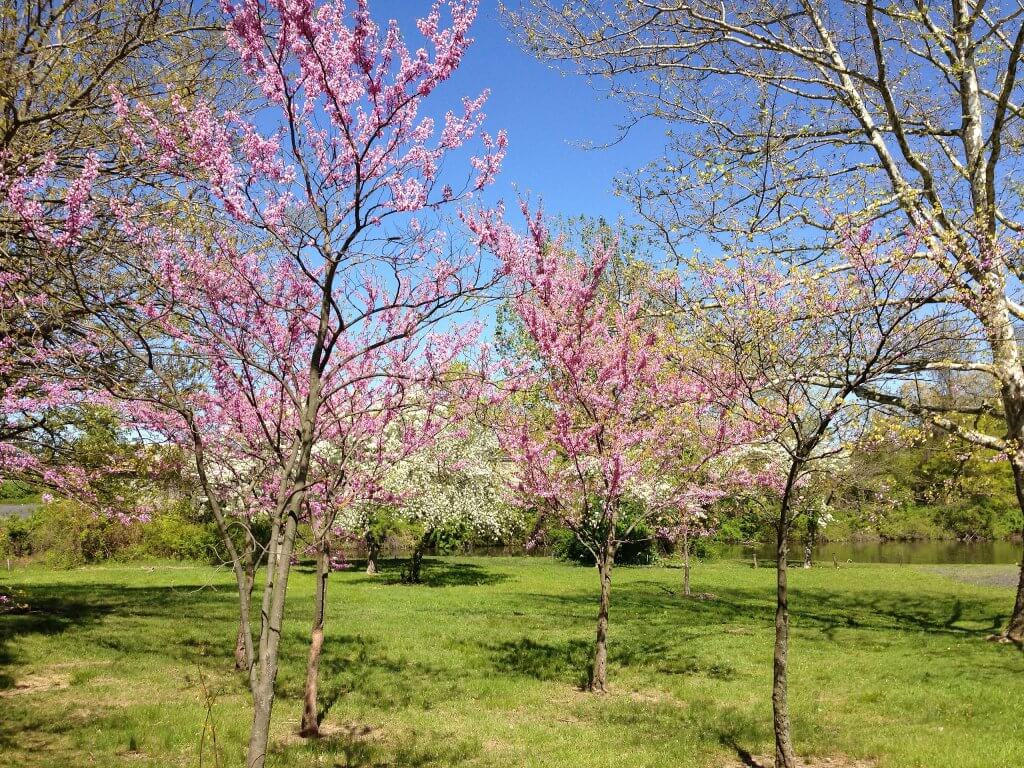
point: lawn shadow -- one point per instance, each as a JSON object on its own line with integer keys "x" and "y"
{"x": 54, "y": 610}
{"x": 826, "y": 610}
{"x": 434, "y": 572}
{"x": 45, "y": 614}
{"x": 359, "y": 665}
{"x": 353, "y": 745}
{"x": 745, "y": 757}
{"x": 568, "y": 661}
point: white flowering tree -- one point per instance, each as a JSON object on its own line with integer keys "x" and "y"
{"x": 456, "y": 486}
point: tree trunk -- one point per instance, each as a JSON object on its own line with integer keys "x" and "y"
{"x": 310, "y": 727}
{"x": 784, "y": 757}
{"x": 372, "y": 554}
{"x": 686, "y": 563}
{"x": 809, "y": 542}
{"x": 243, "y": 641}
{"x": 265, "y": 670}
{"x": 599, "y": 671}
{"x": 243, "y": 566}
{"x": 241, "y": 662}
{"x": 1006, "y": 359}
{"x": 1015, "y": 628}
{"x": 415, "y": 573}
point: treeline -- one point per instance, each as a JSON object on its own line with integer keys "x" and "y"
{"x": 927, "y": 487}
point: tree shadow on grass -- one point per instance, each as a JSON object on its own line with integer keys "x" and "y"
{"x": 567, "y": 661}
{"x": 45, "y": 614}
{"x": 97, "y": 616}
{"x": 360, "y": 666}
{"x": 828, "y": 611}
{"x": 435, "y": 572}
{"x": 360, "y": 746}
{"x": 197, "y": 622}
{"x": 745, "y": 757}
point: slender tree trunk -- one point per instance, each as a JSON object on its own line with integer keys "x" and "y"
{"x": 599, "y": 671}
{"x": 686, "y": 563}
{"x": 1015, "y": 628}
{"x": 310, "y": 726}
{"x": 243, "y": 641}
{"x": 784, "y": 757}
{"x": 372, "y": 554}
{"x": 286, "y": 520}
{"x": 809, "y": 542}
{"x": 415, "y": 573}
{"x": 266, "y": 667}
{"x": 242, "y": 565}
{"x": 241, "y": 662}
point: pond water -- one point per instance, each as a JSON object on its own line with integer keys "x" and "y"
{"x": 895, "y": 552}
{"x": 907, "y": 552}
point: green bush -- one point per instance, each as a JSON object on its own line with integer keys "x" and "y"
{"x": 636, "y": 547}
{"x": 14, "y": 492}
{"x": 172, "y": 535}
{"x": 67, "y": 535}
{"x": 15, "y": 537}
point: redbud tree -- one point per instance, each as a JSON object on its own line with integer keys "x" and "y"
{"x": 604, "y": 414}
{"x": 302, "y": 240}
{"x": 393, "y": 401}
{"x": 43, "y": 390}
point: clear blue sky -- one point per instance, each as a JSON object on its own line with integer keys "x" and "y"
{"x": 548, "y": 116}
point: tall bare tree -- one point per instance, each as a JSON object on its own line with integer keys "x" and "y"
{"x": 781, "y": 108}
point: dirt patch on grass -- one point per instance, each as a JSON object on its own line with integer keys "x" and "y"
{"x": 983, "y": 575}
{"x": 331, "y": 731}
{"x": 655, "y": 697}
{"x": 834, "y": 761}
{"x": 39, "y": 683}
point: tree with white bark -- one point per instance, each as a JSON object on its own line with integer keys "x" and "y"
{"x": 785, "y": 114}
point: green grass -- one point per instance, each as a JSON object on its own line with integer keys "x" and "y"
{"x": 480, "y": 667}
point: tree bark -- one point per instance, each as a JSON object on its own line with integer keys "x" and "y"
{"x": 310, "y": 727}
{"x": 599, "y": 670}
{"x": 812, "y": 536}
{"x": 1006, "y": 358}
{"x": 243, "y": 641}
{"x": 784, "y": 757}
{"x": 372, "y": 554}
{"x": 265, "y": 670}
{"x": 415, "y": 573}
{"x": 686, "y": 563}
{"x": 241, "y": 657}
{"x": 1015, "y": 627}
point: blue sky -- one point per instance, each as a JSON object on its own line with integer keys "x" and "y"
{"x": 548, "y": 116}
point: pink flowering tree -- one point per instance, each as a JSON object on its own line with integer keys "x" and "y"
{"x": 394, "y": 401}
{"x": 603, "y": 413}
{"x": 29, "y": 335}
{"x": 799, "y": 347}
{"x": 293, "y": 246}
{"x": 42, "y": 389}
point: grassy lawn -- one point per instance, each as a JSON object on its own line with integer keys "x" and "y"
{"x": 480, "y": 667}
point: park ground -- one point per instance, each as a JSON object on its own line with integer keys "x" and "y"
{"x": 130, "y": 665}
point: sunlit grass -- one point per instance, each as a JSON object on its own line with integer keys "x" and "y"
{"x": 481, "y": 666}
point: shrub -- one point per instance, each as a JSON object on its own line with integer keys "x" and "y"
{"x": 637, "y": 547}
{"x": 67, "y": 534}
{"x": 172, "y": 535}
{"x": 15, "y": 537}
{"x": 14, "y": 492}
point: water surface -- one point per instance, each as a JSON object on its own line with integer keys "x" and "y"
{"x": 907, "y": 552}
